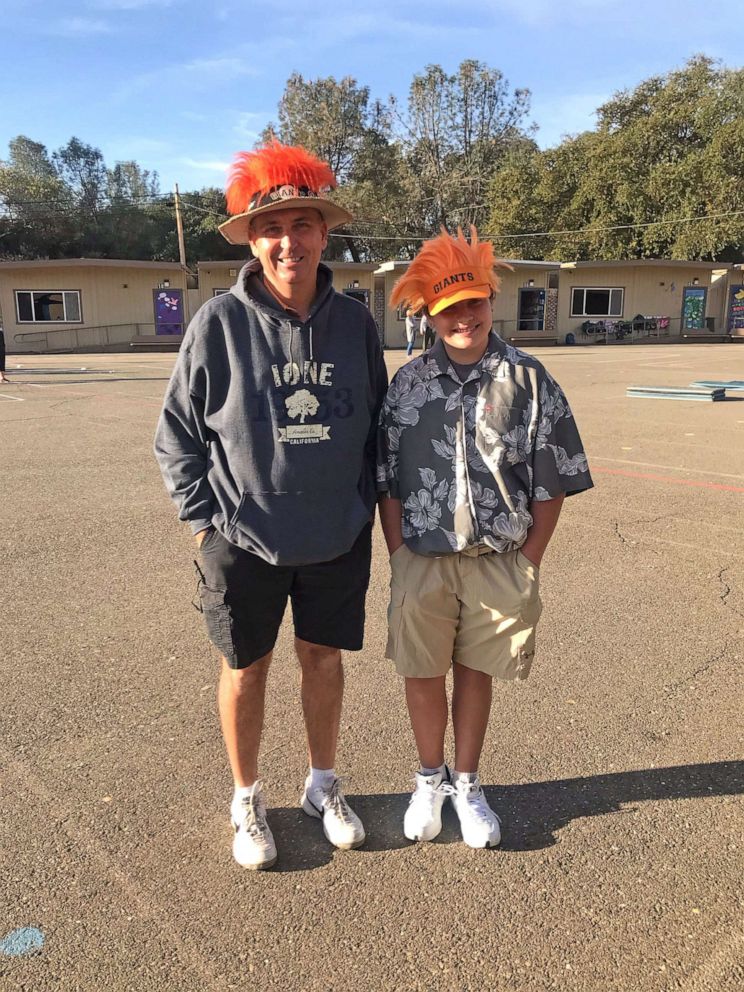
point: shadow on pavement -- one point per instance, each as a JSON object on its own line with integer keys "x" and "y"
{"x": 532, "y": 813}
{"x": 91, "y": 380}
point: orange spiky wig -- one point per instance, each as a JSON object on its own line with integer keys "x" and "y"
{"x": 447, "y": 270}
{"x": 254, "y": 174}
{"x": 277, "y": 177}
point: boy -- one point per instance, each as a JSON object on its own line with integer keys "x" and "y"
{"x": 478, "y": 449}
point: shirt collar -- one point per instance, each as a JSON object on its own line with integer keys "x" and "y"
{"x": 438, "y": 361}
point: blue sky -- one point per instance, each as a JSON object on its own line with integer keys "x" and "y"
{"x": 180, "y": 85}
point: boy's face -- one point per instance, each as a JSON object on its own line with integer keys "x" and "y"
{"x": 464, "y": 328}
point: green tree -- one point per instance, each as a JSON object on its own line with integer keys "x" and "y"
{"x": 456, "y": 131}
{"x": 35, "y": 205}
{"x": 336, "y": 121}
{"x": 667, "y": 152}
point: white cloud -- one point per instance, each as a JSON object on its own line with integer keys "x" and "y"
{"x": 197, "y": 75}
{"x": 206, "y": 165}
{"x": 79, "y": 27}
{"x": 136, "y": 146}
{"x": 249, "y": 123}
{"x": 542, "y": 13}
{"x": 129, "y": 4}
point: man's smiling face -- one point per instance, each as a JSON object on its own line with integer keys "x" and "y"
{"x": 288, "y": 244}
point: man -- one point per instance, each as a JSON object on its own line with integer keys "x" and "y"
{"x": 411, "y": 326}
{"x": 427, "y": 333}
{"x": 478, "y": 450}
{"x": 266, "y": 444}
{"x": 3, "y": 376}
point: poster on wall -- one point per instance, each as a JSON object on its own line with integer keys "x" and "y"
{"x": 693, "y": 308}
{"x": 736, "y": 308}
{"x": 168, "y": 307}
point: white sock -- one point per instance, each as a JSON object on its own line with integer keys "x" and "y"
{"x": 428, "y": 772}
{"x": 241, "y": 792}
{"x": 322, "y": 778}
{"x": 464, "y": 776}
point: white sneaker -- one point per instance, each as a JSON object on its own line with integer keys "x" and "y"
{"x": 341, "y": 825}
{"x": 253, "y": 844}
{"x": 423, "y": 819}
{"x": 479, "y": 825}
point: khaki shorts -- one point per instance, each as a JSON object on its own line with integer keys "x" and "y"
{"x": 478, "y": 610}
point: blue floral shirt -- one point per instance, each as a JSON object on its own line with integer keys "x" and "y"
{"x": 467, "y": 459}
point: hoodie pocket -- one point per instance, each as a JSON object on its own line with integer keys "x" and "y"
{"x": 299, "y": 528}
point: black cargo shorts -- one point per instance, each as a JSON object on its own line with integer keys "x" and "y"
{"x": 243, "y": 598}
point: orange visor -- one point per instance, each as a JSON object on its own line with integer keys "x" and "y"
{"x": 457, "y": 286}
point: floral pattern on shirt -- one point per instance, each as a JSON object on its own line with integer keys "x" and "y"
{"x": 467, "y": 458}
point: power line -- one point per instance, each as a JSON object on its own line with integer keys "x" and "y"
{"x": 65, "y": 208}
{"x": 547, "y": 234}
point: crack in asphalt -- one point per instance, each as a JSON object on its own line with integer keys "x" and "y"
{"x": 635, "y": 523}
{"x": 676, "y": 686}
{"x": 726, "y": 592}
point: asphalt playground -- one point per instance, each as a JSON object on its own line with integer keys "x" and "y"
{"x": 617, "y": 768}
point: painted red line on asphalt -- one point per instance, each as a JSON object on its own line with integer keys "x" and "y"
{"x": 666, "y": 478}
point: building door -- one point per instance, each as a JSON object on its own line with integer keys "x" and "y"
{"x": 693, "y": 308}
{"x": 531, "y": 314}
{"x": 168, "y": 309}
{"x": 358, "y": 294}
{"x": 736, "y": 308}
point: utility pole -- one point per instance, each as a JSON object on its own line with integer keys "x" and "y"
{"x": 179, "y": 228}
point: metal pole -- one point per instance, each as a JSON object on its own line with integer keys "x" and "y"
{"x": 179, "y": 228}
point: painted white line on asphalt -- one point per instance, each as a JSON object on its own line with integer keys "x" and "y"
{"x": 673, "y": 468}
{"x": 6, "y": 397}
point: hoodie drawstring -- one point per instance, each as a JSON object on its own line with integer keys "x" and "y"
{"x": 291, "y": 342}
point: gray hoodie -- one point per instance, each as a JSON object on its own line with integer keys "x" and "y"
{"x": 268, "y": 425}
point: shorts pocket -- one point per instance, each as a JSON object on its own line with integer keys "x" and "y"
{"x": 395, "y": 619}
{"x": 218, "y": 620}
{"x": 527, "y": 579}
{"x": 526, "y": 567}
{"x": 208, "y": 539}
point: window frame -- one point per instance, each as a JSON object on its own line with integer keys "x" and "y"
{"x": 48, "y": 292}
{"x": 602, "y": 289}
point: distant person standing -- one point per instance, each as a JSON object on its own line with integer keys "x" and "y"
{"x": 3, "y": 376}
{"x": 427, "y": 333}
{"x": 411, "y": 322}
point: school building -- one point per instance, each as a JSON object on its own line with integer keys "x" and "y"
{"x": 60, "y": 305}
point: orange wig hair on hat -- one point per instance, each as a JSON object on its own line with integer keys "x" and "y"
{"x": 257, "y": 173}
{"x": 447, "y": 270}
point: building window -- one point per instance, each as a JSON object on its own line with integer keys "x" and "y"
{"x": 42, "y": 305}
{"x": 596, "y": 302}
{"x": 219, "y": 292}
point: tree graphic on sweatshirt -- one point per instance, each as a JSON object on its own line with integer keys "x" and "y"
{"x": 301, "y": 404}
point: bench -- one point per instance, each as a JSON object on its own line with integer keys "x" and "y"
{"x": 532, "y": 339}
{"x": 156, "y": 342}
